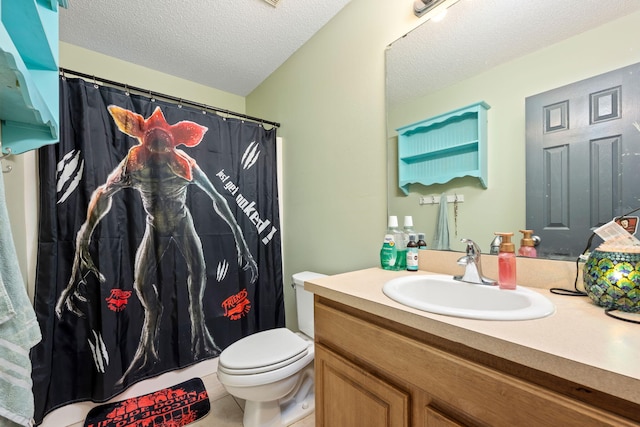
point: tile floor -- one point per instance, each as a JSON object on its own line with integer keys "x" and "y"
{"x": 227, "y": 412}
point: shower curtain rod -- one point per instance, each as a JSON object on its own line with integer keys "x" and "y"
{"x": 66, "y": 71}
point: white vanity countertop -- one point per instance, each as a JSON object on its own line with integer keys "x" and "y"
{"x": 578, "y": 342}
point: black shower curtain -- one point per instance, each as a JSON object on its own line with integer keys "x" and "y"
{"x": 159, "y": 242}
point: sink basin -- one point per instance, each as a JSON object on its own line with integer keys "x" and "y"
{"x": 442, "y": 295}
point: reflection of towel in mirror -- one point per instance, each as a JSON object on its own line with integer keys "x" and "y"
{"x": 441, "y": 234}
{"x": 19, "y": 331}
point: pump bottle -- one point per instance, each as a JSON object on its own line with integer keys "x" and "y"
{"x": 506, "y": 262}
{"x": 527, "y": 245}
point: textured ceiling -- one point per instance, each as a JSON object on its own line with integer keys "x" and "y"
{"x": 230, "y": 45}
{"x": 477, "y": 35}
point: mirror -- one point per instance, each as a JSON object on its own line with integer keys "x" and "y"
{"x": 499, "y": 52}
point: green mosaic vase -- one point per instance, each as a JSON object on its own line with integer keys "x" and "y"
{"x": 612, "y": 280}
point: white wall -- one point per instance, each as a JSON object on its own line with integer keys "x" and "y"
{"x": 21, "y": 186}
{"x": 330, "y": 98}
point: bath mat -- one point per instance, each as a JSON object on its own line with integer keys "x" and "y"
{"x": 175, "y": 406}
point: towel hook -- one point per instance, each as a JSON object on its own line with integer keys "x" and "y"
{"x": 6, "y": 152}
{"x": 3, "y": 155}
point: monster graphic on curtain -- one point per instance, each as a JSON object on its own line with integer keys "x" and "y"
{"x": 159, "y": 242}
{"x": 161, "y": 174}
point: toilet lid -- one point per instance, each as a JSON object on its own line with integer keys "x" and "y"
{"x": 264, "y": 351}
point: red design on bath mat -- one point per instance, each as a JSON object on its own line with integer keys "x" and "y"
{"x": 236, "y": 306}
{"x": 175, "y": 406}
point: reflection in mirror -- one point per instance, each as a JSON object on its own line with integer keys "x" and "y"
{"x": 499, "y": 52}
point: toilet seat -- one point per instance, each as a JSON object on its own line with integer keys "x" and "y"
{"x": 263, "y": 351}
{"x": 264, "y": 357}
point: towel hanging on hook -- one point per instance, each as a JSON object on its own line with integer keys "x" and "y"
{"x": 441, "y": 234}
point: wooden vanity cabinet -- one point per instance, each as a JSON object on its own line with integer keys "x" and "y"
{"x": 373, "y": 372}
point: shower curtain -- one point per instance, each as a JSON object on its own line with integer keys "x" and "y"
{"x": 159, "y": 242}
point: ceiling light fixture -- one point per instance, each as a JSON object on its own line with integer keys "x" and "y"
{"x": 273, "y": 3}
{"x": 420, "y": 7}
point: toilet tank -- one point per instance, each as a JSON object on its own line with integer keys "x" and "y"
{"x": 304, "y": 301}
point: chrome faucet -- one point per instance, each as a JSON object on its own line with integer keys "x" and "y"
{"x": 472, "y": 266}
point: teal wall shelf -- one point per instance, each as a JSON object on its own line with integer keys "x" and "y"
{"x": 29, "y": 98}
{"x": 441, "y": 148}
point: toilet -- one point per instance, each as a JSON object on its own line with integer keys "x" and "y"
{"x": 273, "y": 370}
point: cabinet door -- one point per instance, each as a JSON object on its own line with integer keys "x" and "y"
{"x": 348, "y": 396}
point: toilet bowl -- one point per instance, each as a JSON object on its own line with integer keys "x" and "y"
{"x": 273, "y": 370}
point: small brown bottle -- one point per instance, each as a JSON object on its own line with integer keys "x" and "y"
{"x": 421, "y": 243}
{"x": 412, "y": 253}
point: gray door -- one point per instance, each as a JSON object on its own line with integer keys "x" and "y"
{"x": 583, "y": 159}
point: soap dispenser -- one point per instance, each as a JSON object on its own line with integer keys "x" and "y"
{"x": 506, "y": 262}
{"x": 527, "y": 245}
